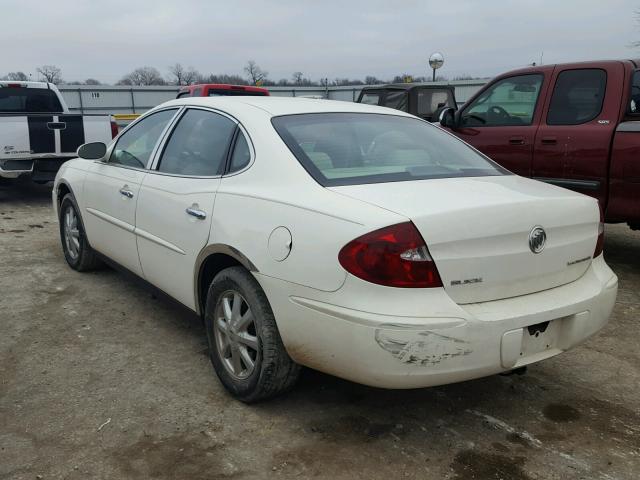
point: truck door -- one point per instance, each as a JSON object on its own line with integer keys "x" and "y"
{"x": 573, "y": 141}
{"x": 502, "y": 121}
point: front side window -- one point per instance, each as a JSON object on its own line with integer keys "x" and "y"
{"x": 577, "y": 96}
{"x": 634, "y": 103}
{"x": 357, "y": 148}
{"x": 135, "y": 146}
{"x": 28, "y": 100}
{"x": 198, "y": 145}
{"x": 510, "y": 101}
{"x": 431, "y": 100}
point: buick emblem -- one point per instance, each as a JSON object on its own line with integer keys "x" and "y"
{"x": 537, "y": 239}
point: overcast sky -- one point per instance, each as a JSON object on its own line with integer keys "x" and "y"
{"x": 108, "y": 38}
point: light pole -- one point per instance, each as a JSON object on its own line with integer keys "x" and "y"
{"x": 436, "y": 60}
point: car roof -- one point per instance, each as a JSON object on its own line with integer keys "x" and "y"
{"x": 25, "y": 84}
{"x": 406, "y": 86}
{"x": 276, "y": 106}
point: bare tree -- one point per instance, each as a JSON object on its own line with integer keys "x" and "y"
{"x": 371, "y": 80}
{"x": 180, "y": 75}
{"x": 297, "y": 77}
{"x": 16, "y": 76}
{"x": 256, "y": 74}
{"x": 92, "y": 81}
{"x": 51, "y": 73}
{"x": 143, "y": 76}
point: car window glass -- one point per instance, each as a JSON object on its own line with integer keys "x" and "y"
{"x": 198, "y": 145}
{"x": 634, "y": 104}
{"x": 135, "y": 146}
{"x": 397, "y": 100}
{"x": 241, "y": 154}
{"x": 431, "y": 100}
{"x": 510, "y": 101}
{"x": 577, "y": 96}
{"x": 29, "y": 100}
{"x": 359, "y": 148}
{"x": 370, "y": 98}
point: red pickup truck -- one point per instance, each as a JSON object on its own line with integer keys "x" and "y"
{"x": 220, "y": 90}
{"x": 574, "y": 125}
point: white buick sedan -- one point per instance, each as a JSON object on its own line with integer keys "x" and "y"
{"x": 352, "y": 239}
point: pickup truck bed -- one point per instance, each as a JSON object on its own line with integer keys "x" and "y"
{"x": 37, "y": 132}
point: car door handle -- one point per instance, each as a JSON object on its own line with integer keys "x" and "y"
{"x": 516, "y": 141}
{"x": 194, "y": 211}
{"x": 549, "y": 140}
{"x": 126, "y": 192}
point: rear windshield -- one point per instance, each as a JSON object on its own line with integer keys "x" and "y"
{"x": 358, "y": 148}
{"x": 28, "y": 100}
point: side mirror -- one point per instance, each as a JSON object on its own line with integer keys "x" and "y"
{"x": 92, "y": 151}
{"x": 447, "y": 117}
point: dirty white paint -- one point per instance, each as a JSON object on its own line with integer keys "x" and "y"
{"x": 421, "y": 348}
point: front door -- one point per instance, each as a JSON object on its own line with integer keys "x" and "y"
{"x": 502, "y": 121}
{"x": 573, "y": 141}
{"x": 111, "y": 191}
{"x": 176, "y": 200}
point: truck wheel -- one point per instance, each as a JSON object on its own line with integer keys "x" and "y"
{"x": 77, "y": 252}
{"x": 244, "y": 343}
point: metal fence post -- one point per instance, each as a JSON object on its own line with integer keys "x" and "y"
{"x": 133, "y": 102}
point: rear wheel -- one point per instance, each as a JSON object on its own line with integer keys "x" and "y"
{"x": 244, "y": 343}
{"x": 77, "y": 252}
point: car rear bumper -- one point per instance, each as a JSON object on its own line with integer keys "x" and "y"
{"x": 420, "y": 337}
{"x": 40, "y": 168}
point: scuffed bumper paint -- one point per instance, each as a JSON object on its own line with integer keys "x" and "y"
{"x": 409, "y": 338}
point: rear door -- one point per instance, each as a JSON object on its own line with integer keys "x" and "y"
{"x": 111, "y": 190}
{"x": 573, "y": 142}
{"x": 173, "y": 217}
{"x": 502, "y": 120}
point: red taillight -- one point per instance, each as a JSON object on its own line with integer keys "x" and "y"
{"x": 114, "y": 129}
{"x": 600, "y": 242}
{"x": 394, "y": 256}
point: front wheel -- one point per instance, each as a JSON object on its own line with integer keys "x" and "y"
{"x": 244, "y": 343}
{"x": 77, "y": 251}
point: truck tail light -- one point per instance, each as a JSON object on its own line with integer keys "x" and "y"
{"x": 394, "y": 256}
{"x": 600, "y": 242}
{"x": 114, "y": 129}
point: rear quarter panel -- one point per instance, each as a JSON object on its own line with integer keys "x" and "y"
{"x": 624, "y": 177}
{"x": 276, "y": 191}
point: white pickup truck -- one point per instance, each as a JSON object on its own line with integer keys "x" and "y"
{"x": 37, "y": 132}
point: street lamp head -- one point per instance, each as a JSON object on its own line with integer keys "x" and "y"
{"x": 436, "y": 60}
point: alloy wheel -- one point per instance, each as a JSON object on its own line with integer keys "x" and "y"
{"x": 235, "y": 334}
{"x": 71, "y": 233}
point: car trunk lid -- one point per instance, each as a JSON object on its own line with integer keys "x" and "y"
{"x": 478, "y": 230}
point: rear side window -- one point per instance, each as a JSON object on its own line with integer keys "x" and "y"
{"x": 397, "y": 100}
{"x": 29, "y": 100}
{"x": 370, "y": 98}
{"x": 577, "y": 96}
{"x": 135, "y": 146}
{"x": 358, "y": 148}
{"x": 198, "y": 145}
{"x": 634, "y": 103}
{"x": 241, "y": 154}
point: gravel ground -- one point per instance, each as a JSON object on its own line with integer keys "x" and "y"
{"x": 100, "y": 379}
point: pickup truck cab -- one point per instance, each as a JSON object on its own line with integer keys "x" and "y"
{"x": 38, "y": 133}
{"x": 423, "y": 100}
{"x": 574, "y": 125}
{"x": 221, "y": 90}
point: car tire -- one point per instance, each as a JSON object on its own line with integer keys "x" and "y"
{"x": 233, "y": 297}
{"x": 77, "y": 251}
